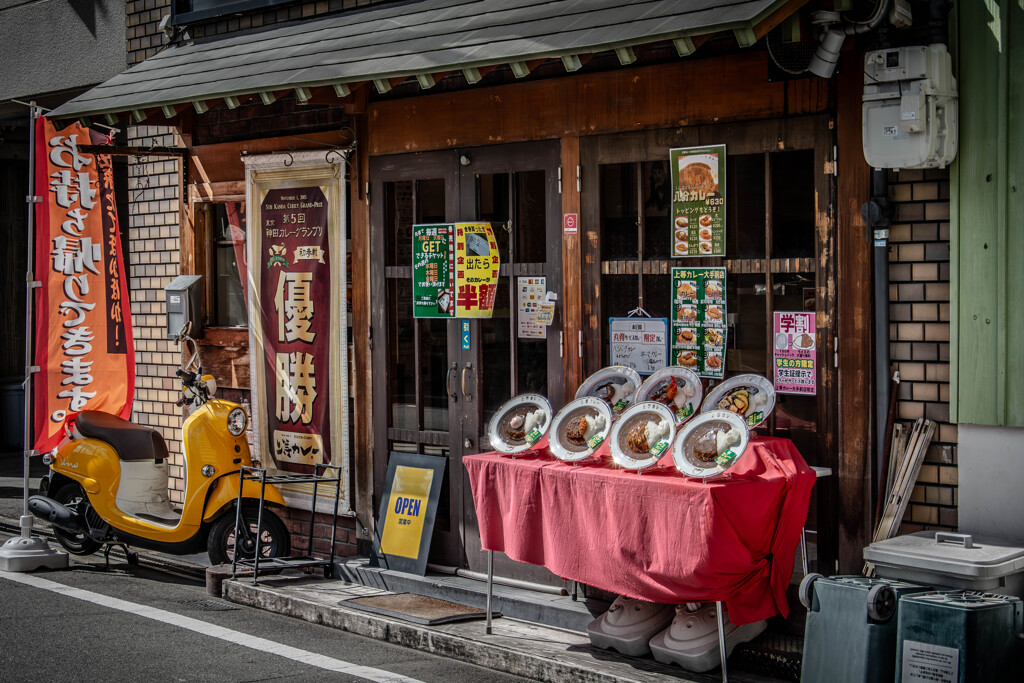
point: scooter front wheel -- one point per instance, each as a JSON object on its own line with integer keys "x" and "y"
{"x": 221, "y": 544}
{"x": 71, "y": 494}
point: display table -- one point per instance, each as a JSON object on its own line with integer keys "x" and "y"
{"x": 656, "y": 536}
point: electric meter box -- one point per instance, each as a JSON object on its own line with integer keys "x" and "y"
{"x": 182, "y": 296}
{"x": 910, "y": 114}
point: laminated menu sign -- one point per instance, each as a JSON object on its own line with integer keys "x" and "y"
{"x": 698, "y": 200}
{"x": 531, "y": 295}
{"x": 795, "y": 349}
{"x": 454, "y": 270}
{"x": 639, "y": 343}
{"x": 699, "y": 320}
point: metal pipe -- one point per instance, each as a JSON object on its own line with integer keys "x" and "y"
{"x": 500, "y": 580}
{"x": 879, "y": 228}
{"x": 490, "y": 588}
{"x": 721, "y": 640}
{"x": 33, "y": 114}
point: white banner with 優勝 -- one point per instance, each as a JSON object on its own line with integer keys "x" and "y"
{"x": 298, "y": 321}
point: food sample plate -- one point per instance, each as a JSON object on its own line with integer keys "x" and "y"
{"x": 616, "y": 385}
{"x": 520, "y": 424}
{"x": 642, "y": 435}
{"x": 710, "y": 444}
{"x": 675, "y": 387}
{"x": 579, "y": 428}
{"x": 751, "y": 396}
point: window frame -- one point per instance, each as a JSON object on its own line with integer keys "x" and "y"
{"x": 815, "y": 133}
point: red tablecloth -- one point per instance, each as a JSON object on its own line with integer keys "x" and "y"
{"x": 658, "y": 536}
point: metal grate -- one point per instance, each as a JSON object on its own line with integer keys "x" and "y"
{"x": 776, "y": 655}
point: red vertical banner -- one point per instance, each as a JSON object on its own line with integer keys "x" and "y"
{"x": 295, "y": 296}
{"x": 83, "y": 342}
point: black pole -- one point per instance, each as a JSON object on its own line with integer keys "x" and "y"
{"x": 878, "y": 226}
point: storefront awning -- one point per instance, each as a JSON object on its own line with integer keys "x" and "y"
{"x": 390, "y": 43}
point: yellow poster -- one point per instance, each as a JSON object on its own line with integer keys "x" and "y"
{"x": 476, "y": 270}
{"x": 403, "y": 524}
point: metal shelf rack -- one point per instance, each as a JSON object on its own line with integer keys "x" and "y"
{"x": 275, "y": 564}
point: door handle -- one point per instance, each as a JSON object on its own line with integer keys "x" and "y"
{"x": 448, "y": 383}
{"x": 469, "y": 366}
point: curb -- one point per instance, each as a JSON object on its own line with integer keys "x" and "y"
{"x": 147, "y": 558}
{"x": 563, "y": 655}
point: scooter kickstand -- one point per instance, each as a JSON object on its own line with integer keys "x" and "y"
{"x": 130, "y": 556}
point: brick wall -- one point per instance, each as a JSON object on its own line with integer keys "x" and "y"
{"x": 155, "y": 254}
{"x": 142, "y": 30}
{"x": 919, "y": 335}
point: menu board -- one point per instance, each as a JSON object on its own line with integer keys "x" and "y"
{"x": 795, "y": 352}
{"x": 699, "y": 320}
{"x": 639, "y": 343}
{"x": 698, "y": 200}
{"x": 454, "y": 270}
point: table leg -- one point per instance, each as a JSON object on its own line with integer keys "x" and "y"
{"x": 490, "y": 588}
{"x": 803, "y": 549}
{"x": 721, "y": 640}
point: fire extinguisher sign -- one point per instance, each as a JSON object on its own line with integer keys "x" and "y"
{"x": 570, "y": 223}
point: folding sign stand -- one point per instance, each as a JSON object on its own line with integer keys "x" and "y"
{"x": 27, "y": 552}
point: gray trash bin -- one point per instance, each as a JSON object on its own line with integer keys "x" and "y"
{"x": 951, "y": 560}
{"x": 959, "y": 637}
{"x": 850, "y": 633}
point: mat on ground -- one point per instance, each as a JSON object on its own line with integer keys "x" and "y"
{"x": 419, "y": 609}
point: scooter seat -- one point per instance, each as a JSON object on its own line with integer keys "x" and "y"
{"x": 130, "y": 441}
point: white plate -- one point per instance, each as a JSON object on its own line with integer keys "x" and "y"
{"x": 497, "y": 430}
{"x": 590, "y": 407}
{"x": 756, "y": 412}
{"x": 624, "y": 380}
{"x": 639, "y": 414}
{"x": 683, "y": 407}
{"x": 682, "y": 448}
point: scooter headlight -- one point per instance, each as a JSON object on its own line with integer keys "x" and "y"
{"x": 237, "y": 421}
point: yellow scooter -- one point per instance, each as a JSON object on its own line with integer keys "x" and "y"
{"x": 107, "y": 483}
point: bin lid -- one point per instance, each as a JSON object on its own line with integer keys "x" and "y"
{"x": 948, "y": 553}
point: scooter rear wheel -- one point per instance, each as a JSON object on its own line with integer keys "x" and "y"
{"x": 274, "y": 538}
{"x": 70, "y": 494}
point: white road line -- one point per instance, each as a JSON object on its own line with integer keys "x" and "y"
{"x": 236, "y": 637}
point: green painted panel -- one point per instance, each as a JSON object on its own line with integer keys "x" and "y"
{"x": 987, "y": 216}
{"x": 1014, "y": 189}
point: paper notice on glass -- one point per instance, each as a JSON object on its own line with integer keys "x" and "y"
{"x": 795, "y": 352}
{"x": 531, "y": 293}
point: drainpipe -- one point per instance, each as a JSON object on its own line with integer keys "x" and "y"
{"x": 876, "y": 214}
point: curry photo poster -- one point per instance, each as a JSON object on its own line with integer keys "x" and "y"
{"x": 698, "y": 200}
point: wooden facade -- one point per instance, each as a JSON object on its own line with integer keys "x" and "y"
{"x": 620, "y": 115}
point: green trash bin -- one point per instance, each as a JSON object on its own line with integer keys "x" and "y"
{"x": 850, "y": 633}
{"x": 960, "y": 637}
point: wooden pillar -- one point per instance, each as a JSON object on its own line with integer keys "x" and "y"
{"x": 854, "y": 266}
{"x": 359, "y": 212}
{"x": 572, "y": 295}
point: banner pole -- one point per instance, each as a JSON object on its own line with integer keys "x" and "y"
{"x": 28, "y": 552}
{"x": 30, "y": 284}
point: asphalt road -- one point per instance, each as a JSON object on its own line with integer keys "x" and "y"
{"x": 137, "y": 623}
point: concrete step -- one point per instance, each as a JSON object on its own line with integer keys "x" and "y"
{"x": 559, "y": 611}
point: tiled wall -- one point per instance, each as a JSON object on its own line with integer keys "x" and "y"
{"x": 919, "y": 335}
{"x": 155, "y": 254}
{"x": 143, "y": 28}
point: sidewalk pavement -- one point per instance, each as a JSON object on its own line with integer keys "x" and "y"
{"x": 518, "y": 647}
